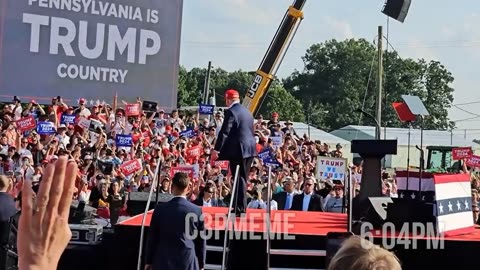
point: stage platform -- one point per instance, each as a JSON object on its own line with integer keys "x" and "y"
{"x": 309, "y": 230}
{"x": 285, "y": 222}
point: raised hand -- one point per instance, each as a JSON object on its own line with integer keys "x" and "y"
{"x": 43, "y": 232}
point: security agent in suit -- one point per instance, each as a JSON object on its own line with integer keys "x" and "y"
{"x": 207, "y": 199}
{"x": 171, "y": 246}
{"x": 7, "y": 203}
{"x": 308, "y": 200}
{"x": 7, "y": 215}
{"x": 236, "y": 143}
{"x": 285, "y": 198}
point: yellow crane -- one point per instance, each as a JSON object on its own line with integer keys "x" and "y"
{"x": 265, "y": 74}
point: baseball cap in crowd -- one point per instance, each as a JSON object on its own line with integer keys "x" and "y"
{"x": 81, "y": 101}
{"x": 275, "y": 114}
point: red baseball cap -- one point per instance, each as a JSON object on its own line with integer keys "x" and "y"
{"x": 231, "y": 94}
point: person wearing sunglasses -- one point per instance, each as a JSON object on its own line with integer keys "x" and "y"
{"x": 308, "y": 200}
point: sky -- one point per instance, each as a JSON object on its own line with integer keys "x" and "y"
{"x": 235, "y": 34}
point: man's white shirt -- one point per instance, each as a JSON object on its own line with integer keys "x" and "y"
{"x": 306, "y": 201}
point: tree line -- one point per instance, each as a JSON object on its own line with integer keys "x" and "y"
{"x": 338, "y": 77}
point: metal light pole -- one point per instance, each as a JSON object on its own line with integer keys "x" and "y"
{"x": 310, "y": 113}
{"x": 377, "y": 124}
{"x": 379, "y": 81}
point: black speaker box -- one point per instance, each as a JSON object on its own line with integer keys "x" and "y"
{"x": 397, "y": 9}
{"x": 137, "y": 201}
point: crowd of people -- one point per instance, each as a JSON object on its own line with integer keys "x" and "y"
{"x": 117, "y": 148}
{"x": 102, "y": 139}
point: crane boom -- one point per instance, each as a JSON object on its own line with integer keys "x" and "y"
{"x": 265, "y": 74}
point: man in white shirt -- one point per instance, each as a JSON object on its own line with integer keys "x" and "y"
{"x": 308, "y": 200}
{"x": 208, "y": 198}
{"x": 261, "y": 203}
{"x": 273, "y": 203}
{"x": 62, "y": 136}
{"x": 82, "y": 110}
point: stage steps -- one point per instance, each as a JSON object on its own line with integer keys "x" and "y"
{"x": 212, "y": 267}
{"x": 214, "y": 255}
{"x": 298, "y": 252}
{"x": 215, "y": 248}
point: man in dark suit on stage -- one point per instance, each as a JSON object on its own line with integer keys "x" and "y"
{"x": 236, "y": 143}
{"x": 176, "y": 236}
{"x": 308, "y": 200}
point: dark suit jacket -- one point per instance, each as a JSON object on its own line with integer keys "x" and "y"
{"x": 316, "y": 203}
{"x": 281, "y": 199}
{"x": 214, "y": 202}
{"x": 236, "y": 138}
{"x": 7, "y": 206}
{"x": 170, "y": 245}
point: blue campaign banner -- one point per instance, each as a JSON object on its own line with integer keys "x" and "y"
{"x": 271, "y": 162}
{"x": 189, "y": 133}
{"x": 264, "y": 155}
{"x": 46, "y": 128}
{"x": 68, "y": 119}
{"x": 122, "y": 140}
{"x": 206, "y": 109}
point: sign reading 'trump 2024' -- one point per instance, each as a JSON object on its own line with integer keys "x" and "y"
{"x": 90, "y": 49}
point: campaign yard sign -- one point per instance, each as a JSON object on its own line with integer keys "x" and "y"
{"x": 206, "y": 109}
{"x": 189, "y": 133}
{"x": 123, "y": 140}
{"x": 26, "y": 123}
{"x": 473, "y": 161}
{"x": 188, "y": 169}
{"x": 132, "y": 109}
{"x": 68, "y": 119}
{"x": 46, "y": 128}
{"x": 131, "y": 167}
{"x": 331, "y": 168}
{"x": 461, "y": 153}
{"x": 90, "y": 49}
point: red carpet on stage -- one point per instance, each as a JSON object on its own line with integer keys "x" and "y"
{"x": 287, "y": 222}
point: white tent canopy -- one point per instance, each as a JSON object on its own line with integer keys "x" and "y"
{"x": 318, "y": 134}
{"x": 430, "y": 137}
